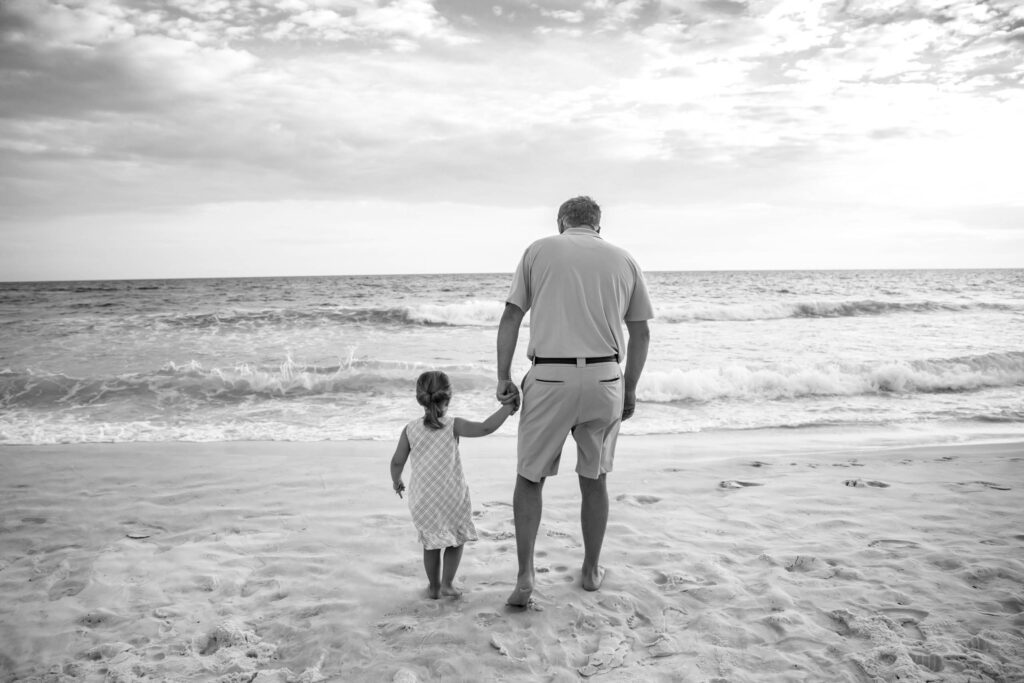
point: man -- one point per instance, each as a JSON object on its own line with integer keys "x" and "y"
{"x": 579, "y": 290}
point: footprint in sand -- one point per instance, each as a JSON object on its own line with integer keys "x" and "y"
{"x": 637, "y": 500}
{"x": 758, "y": 463}
{"x": 98, "y": 619}
{"x": 929, "y": 661}
{"x": 979, "y": 644}
{"x": 904, "y": 614}
{"x": 735, "y": 484}
{"x": 253, "y": 586}
{"x": 859, "y": 483}
{"x": 503, "y": 535}
{"x": 509, "y": 645}
{"x": 66, "y": 588}
{"x": 569, "y": 539}
{"x": 485, "y": 619}
{"x": 611, "y": 654}
{"x": 390, "y": 627}
{"x": 678, "y": 581}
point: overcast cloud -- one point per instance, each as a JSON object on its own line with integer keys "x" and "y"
{"x": 716, "y": 134}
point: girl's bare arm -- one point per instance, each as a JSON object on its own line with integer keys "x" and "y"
{"x": 398, "y": 463}
{"x": 471, "y": 429}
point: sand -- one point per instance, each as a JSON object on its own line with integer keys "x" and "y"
{"x": 748, "y": 559}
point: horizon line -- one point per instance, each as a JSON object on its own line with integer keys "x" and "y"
{"x": 508, "y": 273}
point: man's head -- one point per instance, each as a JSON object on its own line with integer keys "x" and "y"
{"x": 579, "y": 211}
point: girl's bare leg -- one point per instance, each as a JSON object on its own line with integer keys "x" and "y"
{"x": 452, "y": 557}
{"x": 432, "y": 563}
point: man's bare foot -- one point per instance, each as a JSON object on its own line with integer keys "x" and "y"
{"x": 450, "y": 592}
{"x": 433, "y": 592}
{"x": 520, "y": 596}
{"x": 593, "y": 579}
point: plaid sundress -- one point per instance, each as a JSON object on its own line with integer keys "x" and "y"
{"x": 438, "y": 493}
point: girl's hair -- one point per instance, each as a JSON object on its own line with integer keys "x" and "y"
{"x": 433, "y": 391}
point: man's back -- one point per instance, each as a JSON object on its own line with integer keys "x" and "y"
{"x": 578, "y": 289}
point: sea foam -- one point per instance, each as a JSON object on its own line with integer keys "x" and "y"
{"x": 952, "y": 375}
{"x": 779, "y": 310}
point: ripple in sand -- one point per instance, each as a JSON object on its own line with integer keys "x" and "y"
{"x": 893, "y": 543}
{"x": 981, "y": 485}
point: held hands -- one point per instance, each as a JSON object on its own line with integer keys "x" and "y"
{"x": 507, "y": 392}
{"x": 399, "y": 486}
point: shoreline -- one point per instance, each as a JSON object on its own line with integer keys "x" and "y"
{"x": 759, "y": 558}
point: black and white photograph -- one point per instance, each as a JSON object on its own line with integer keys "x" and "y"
{"x": 304, "y": 302}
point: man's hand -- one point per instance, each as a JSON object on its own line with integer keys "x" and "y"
{"x": 628, "y": 405}
{"x": 636, "y": 356}
{"x": 507, "y": 392}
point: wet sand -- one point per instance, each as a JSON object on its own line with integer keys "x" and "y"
{"x": 738, "y": 560}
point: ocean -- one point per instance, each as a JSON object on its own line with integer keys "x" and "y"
{"x": 934, "y": 355}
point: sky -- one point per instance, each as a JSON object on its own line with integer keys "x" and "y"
{"x": 206, "y": 138}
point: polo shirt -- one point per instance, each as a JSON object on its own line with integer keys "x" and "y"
{"x": 578, "y": 289}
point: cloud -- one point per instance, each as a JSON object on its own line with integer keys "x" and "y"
{"x": 192, "y": 100}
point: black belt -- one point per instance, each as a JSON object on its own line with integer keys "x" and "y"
{"x": 572, "y": 361}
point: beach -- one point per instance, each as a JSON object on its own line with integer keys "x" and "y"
{"x": 747, "y": 556}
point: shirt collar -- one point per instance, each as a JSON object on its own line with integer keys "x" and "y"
{"x": 580, "y": 230}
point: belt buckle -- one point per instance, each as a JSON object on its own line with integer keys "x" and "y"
{"x": 581, "y": 362}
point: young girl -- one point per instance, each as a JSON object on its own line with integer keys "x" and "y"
{"x": 438, "y": 494}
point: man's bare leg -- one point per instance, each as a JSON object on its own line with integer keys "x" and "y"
{"x": 594, "y": 521}
{"x": 527, "y": 505}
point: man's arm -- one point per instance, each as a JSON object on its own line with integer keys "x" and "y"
{"x": 636, "y": 357}
{"x": 508, "y": 337}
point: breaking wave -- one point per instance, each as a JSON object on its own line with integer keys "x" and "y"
{"x": 193, "y": 385}
{"x": 466, "y": 313}
{"x": 950, "y": 375}
{"x": 814, "y": 309}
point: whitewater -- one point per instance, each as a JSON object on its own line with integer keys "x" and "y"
{"x": 335, "y": 358}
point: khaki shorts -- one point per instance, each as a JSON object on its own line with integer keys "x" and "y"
{"x": 559, "y": 399}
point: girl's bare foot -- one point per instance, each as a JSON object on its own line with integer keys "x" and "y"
{"x": 451, "y": 592}
{"x": 433, "y": 592}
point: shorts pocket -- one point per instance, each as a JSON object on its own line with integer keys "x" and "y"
{"x": 550, "y": 381}
{"x": 609, "y": 381}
